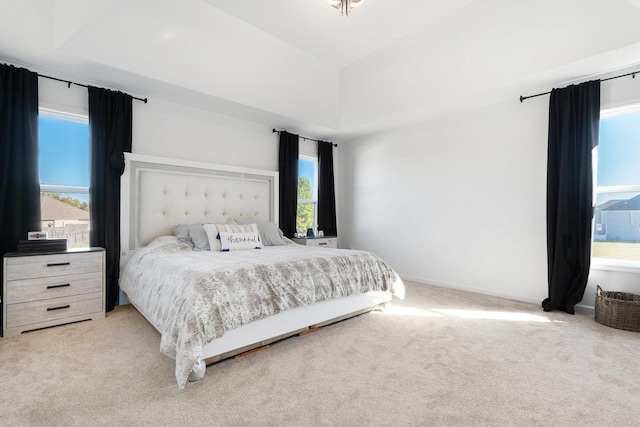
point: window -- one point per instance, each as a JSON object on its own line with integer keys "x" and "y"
{"x": 307, "y": 194}
{"x": 616, "y": 229}
{"x": 64, "y": 176}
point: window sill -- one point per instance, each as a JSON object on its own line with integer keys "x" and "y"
{"x": 615, "y": 265}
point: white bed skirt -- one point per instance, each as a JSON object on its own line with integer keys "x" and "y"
{"x": 290, "y": 322}
{"x": 287, "y": 323}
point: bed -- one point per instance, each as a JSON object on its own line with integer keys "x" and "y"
{"x": 252, "y": 286}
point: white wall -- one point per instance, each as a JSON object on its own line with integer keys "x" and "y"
{"x": 171, "y": 130}
{"x": 460, "y": 201}
{"x": 57, "y": 96}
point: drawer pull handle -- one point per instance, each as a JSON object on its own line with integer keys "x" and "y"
{"x": 322, "y": 244}
{"x": 58, "y": 308}
{"x": 58, "y": 286}
{"x": 56, "y": 264}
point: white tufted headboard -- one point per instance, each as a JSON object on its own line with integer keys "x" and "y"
{"x": 160, "y": 193}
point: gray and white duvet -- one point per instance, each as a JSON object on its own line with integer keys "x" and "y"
{"x": 194, "y": 297}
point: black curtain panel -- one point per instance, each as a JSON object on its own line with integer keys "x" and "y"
{"x": 288, "y": 171}
{"x": 19, "y": 175}
{"x": 574, "y": 121}
{"x": 326, "y": 190}
{"x": 110, "y": 127}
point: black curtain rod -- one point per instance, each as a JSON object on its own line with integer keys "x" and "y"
{"x": 303, "y": 137}
{"x": 69, "y": 83}
{"x": 633, "y": 75}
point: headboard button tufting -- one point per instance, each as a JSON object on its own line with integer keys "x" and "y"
{"x": 163, "y": 198}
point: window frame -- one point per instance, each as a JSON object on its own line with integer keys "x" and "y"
{"x": 612, "y": 264}
{"x": 314, "y": 189}
{"x": 65, "y": 189}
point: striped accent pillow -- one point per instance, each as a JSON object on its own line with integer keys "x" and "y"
{"x": 235, "y": 241}
{"x": 213, "y": 232}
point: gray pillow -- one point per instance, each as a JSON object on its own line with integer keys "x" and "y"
{"x": 270, "y": 234}
{"x": 199, "y": 237}
{"x": 193, "y": 235}
{"x": 181, "y": 231}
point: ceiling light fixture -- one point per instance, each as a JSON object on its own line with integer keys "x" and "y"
{"x": 345, "y": 6}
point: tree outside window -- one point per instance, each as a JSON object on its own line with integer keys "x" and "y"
{"x": 307, "y": 195}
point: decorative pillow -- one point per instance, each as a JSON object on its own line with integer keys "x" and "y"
{"x": 270, "y": 233}
{"x": 212, "y": 236}
{"x": 213, "y": 232}
{"x": 235, "y": 241}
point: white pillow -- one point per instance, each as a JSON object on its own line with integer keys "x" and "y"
{"x": 235, "y": 241}
{"x": 213, "y": 232}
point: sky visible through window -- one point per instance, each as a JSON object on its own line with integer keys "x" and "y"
{"x": 306, "y": 169}
{"x": 64, "y": 153}
{"x": 619, "y": 153}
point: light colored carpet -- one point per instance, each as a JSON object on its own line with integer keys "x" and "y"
{"x": 441, "y": 357}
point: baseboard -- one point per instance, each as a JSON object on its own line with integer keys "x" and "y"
{"x": 585, "y": 309}
{"x": 533, "y": 300}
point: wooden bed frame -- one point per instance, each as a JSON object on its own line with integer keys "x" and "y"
{"x": 159, "y": 193}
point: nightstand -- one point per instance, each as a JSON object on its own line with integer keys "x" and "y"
{"x": 49, "y": 289}
{"x": 323, "y": 242}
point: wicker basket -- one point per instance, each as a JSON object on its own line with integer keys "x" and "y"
{"x": 619, "y": 310}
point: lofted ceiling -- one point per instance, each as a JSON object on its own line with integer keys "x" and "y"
{"x": 300, "y": 65}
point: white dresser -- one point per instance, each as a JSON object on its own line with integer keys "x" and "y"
{"x": 49, "y": 289}
{"x": 323, "y": 242}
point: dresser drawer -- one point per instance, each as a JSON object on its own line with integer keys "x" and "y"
{"x": 323, "y": 242}
{"x": 34, "y": 312}
{"x": 28, "y": 267}
{"x": 52, "y": 287}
